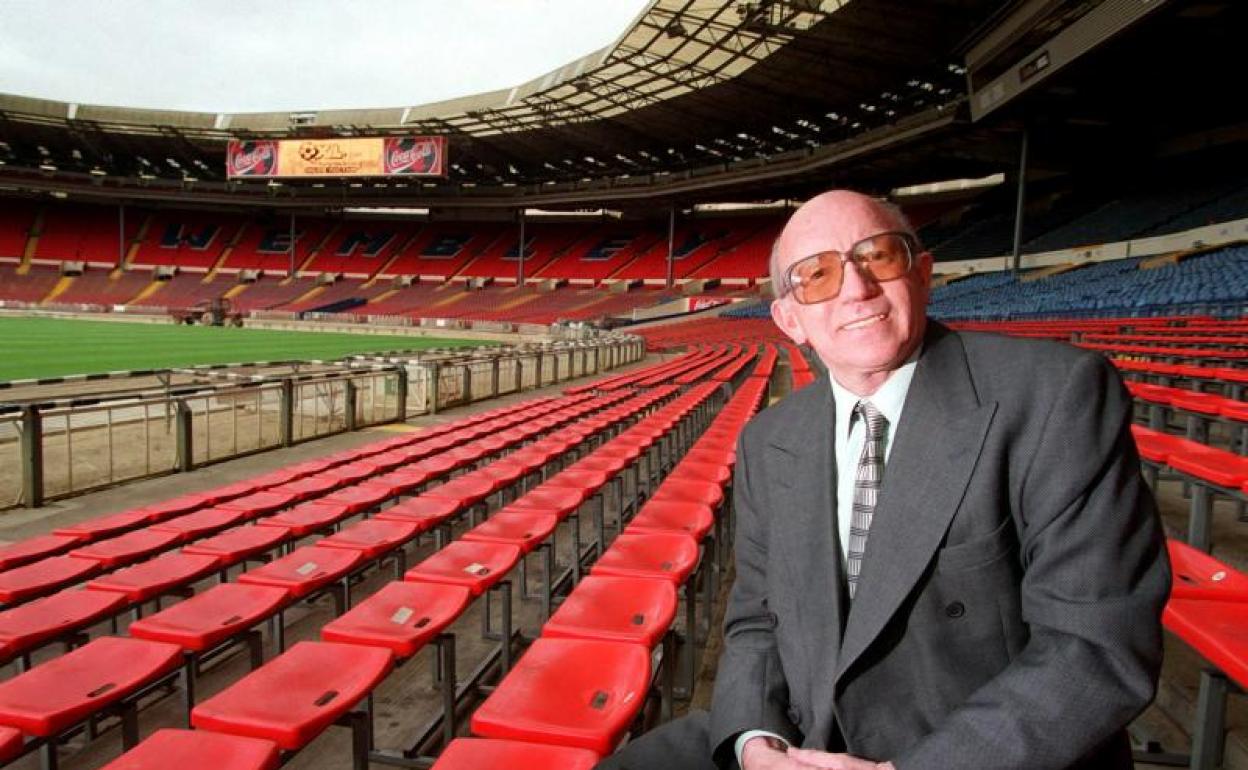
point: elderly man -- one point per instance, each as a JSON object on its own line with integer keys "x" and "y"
{"x": 945, "y": 554}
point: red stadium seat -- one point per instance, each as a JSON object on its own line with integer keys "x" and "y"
{"x": 198, "y": 750}
{"x": 570, "y": 692}
{"x": 637, "y": 610}
{"x": 241, "y": 543}
{"x": 309, "y": 517}
{"x": 304, "y": 570}
{"x": 207, "y": 619}
{"x": 671, "y": 556}
{"x": 1215, "y": 466}
{"x": 180, "y": 505}
{"x": 525, "y": 528}
{"x": 361, "y": 497}
{"x": 35, "y": 548}
{"x": 193, "y": 526}
{"x": 401, "y": 617}
{"x": 106, "y": 526}
{"x": 309, "y": 486}
{"x": 292, "y": 699}
{"x": 65, "y": 690}
{"x": 373, "y": 538}
{"x": 156, "y": 577}
{"x": 260, "y": 503}
{"x": 476, "y": 566}
{"x": 11, "y": 743}
{"x": 128, "y": 548}
{"x": 706, "y": 492}
{"x": 670, "y": 515}
{"x": 31, "y": 625}
{"x": 431, "y": 511}
{"x": 486, "y": 754}
{"x": 43, "y": 577}
{"x": 1197, "y": 575}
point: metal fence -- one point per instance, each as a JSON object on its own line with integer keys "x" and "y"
{"x": 231, "y": 423}
{"x": 88, "y": 447}
{"x": 70, "y": 449}
{"x": 10, "y": 459}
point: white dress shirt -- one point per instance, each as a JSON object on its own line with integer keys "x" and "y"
{"x": 889, "y": 399}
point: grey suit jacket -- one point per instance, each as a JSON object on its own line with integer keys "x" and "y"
{"x": 1008, "y": 610}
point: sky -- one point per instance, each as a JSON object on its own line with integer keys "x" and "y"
{"x": 280, "y": 55}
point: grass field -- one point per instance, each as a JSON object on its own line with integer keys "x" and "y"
{"x": 44, "y": 347}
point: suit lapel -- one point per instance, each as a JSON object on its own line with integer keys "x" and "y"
{"x": 936, "y": 446}
{"x": 801, "y": 462}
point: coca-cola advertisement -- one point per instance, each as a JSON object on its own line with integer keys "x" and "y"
{"x": 415, "y": 155}
{"x": 251, "y": 158}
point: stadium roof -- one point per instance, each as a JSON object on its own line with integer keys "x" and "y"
{"x": 698, "y": 98}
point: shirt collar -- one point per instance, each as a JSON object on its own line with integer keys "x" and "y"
{"x": 888, "y": 399}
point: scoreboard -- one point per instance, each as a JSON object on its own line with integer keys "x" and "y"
{"x": 386, "y": 156}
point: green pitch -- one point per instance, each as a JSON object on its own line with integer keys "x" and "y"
{"x": 44, "y": 347}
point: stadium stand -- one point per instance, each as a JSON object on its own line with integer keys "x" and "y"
{"x": 31, "y": 286}
{"x": 544, "y": 242}
{"x": 268, "y": 293}
{"x": 602, "y": 253}
{"x": 266, "y": 246}
{"x": 82, "y": 234}
{"x": 104, "y": 287}
{"x": 188, "y": 241}
{"x": 441, "y": 250}
{"x": 359, "y": 248}
{"x": 186, "y": 290}
{"x": 17, "y": 218}
{"x": 1214, "y": 282}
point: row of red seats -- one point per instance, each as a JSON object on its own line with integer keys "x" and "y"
{"x": 295, "y": 576}
{"x": 1156, "y": 351}
{"x": 802, "y": 375}
{"x": 1208, "y": 610}
{"x": 1232, "y": 340}
{"x": 538, "y": 701}
{"x": 368, "y": 498}
{"x": 1229, "y": 378}
{"x": 1209, "y": 405}
{"x": 236, "y": 711}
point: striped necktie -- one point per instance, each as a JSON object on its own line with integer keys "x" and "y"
{"x": 867, "y": 483}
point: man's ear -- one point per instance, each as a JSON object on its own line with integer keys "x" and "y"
{"x": 786, "y": 318}
{"x": 925, "y": 269}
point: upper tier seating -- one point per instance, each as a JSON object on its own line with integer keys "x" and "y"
{"x": 359, "y": 249}
{"x": 82, "y": 234}
{"x": 1203, "y": 283}
{"x": 266, "y": 245}
{"x": 187, "y": 240}
{"x": 16, "y": 220}
{"x": 442, "y": 249}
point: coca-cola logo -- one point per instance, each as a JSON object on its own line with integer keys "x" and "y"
{"x": 411, "y": 156}
{"x": 253, "y": 159}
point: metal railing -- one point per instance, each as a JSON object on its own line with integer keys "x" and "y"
{"x": 88, "y": 447}
{"x": 232, "y": 423}
{"x": 57, "y": 449}
{"x": 11, "y": 472}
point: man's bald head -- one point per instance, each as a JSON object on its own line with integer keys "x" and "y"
{"x": 823, "y": 212}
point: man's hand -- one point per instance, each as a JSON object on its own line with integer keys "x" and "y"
{"x": 806, "y": 758}
{"x": 759, "y": 754}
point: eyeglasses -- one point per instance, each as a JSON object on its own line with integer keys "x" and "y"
{"x": 885, "y": 257}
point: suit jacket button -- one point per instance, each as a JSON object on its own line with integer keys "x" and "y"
{"x": 955, "y": 609}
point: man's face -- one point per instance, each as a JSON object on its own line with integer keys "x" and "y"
{"x": 870, "y": 328}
